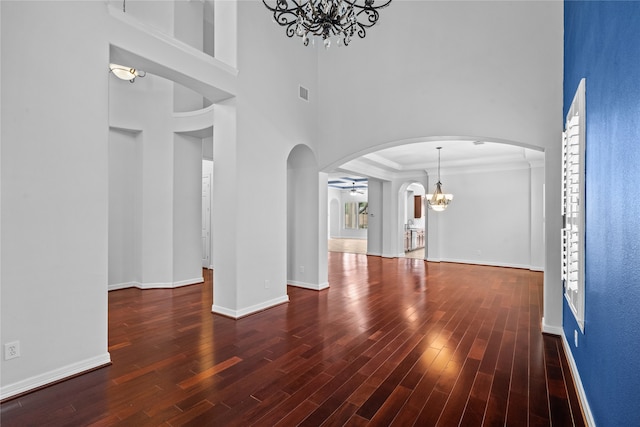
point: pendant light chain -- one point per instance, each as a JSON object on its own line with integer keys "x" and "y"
{"x": 439, "y": 148}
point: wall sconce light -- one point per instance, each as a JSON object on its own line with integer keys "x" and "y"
{"x": 126, "y": 73}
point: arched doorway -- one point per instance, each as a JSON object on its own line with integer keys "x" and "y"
{"x": 413, "y": 216}
{"x": 472, "y": 229}
{"x": 306, "y": 225}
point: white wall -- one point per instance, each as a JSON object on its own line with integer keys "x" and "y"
{"x": 334, "y": 212}
{"x": 303, "y": 220}
{"x": 207, "y": 148}
{"x": 537, "y": 217}
{"x": 55, "y": 187}
{"x": 54, "y": 191}
{"x": 125, "y": 208}
{"x": 169, "y": 168}
{"x": 271, "y": 120}
{"x": 472, "y": 69}
{"x": 225, "y": 31}
{"x": 155, "y": 13}
{"x": 207, "y": 169}
{"x": 374, "y": 232}
{"x": 490, "y": 220}
{"x": 187, "y": 209}
{"x": 189, "y": 28}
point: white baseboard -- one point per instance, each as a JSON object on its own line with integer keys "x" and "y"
{"x": 550, "y": 329}
{"x": 169, "y": 285}
{"x": 311, "y": 286}
{"x": 586, "y": 409}
{"x": 188, "y": 282}
{"x": 393, "y": 255}
{"x": 116, "y": 286}
{"x": 46, "y": 378}
{"x": 236, "y": 314}
{"x": 488, "y": 263}
{"x": 374, "y": 253}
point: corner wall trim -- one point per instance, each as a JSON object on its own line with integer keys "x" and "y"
{"x": 586, "y": 409}
{"x": 53, "y": 376}
{"x": 237, "y": 314}
{"x": 311, "y": 286}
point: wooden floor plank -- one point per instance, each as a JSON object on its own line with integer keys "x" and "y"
{"x": 392, "y": 342}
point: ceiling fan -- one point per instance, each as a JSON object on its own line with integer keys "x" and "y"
{"x": 355, "y": 191}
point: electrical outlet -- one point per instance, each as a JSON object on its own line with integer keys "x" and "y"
{"x": 11, "y": 350}
{"x": 575, "y": 336}
{"x": 301, "y": 269}
{"x": 267, "y": 284}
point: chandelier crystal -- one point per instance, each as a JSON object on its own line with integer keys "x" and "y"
{"x": 438, "y": 201}
{"x": 326, "y": 18}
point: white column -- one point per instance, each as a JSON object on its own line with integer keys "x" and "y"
{"x": 376, "y": 217}
{"x": 323, "y": 272}
{"x": 224, "y": 217}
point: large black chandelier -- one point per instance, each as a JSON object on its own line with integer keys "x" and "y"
{"x": 326, "y": 18}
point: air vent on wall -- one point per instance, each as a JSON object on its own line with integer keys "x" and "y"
{"x": 303, "y": 92}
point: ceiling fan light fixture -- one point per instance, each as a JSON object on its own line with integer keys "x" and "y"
{"x": 353, "y": 190}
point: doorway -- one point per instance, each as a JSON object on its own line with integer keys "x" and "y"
{"x": 207, "y": 188}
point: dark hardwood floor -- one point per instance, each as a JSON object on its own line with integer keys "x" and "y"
{"x": 393, "y": 342}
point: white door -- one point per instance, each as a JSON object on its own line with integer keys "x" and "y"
{"x": 206, "y": 221}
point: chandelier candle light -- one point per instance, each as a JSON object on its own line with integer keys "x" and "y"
{"x": 438, "y": 201}
{"x": 326, "y": 18}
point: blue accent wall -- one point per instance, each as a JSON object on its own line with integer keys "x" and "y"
{"x": 602, "y": 43}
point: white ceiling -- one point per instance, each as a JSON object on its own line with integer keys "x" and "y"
{"x": 456, "y": 156}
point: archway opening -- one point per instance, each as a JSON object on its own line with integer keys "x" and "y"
{"x": 413, "y": 216}
{"x": 348, "y": 200}
{"x": 306, "y": 250}
{"x": 480, "y": 172}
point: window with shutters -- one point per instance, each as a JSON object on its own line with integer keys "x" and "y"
{"x": 573, "y": 172}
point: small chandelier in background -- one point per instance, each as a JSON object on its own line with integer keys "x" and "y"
{"x": 126, "y": 73}
{"x": 438, "y": 201}
{"x": 326, "y": 18}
